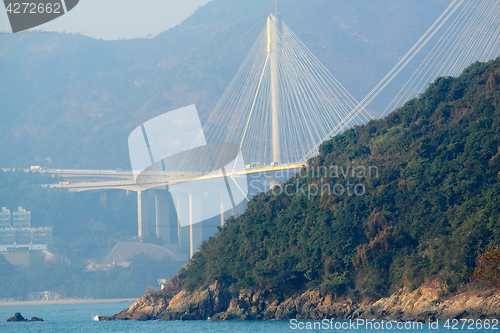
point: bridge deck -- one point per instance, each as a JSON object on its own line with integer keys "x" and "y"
{"x": 156, "y": 179}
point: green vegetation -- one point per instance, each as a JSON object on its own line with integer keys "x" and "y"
{"x": 433, "y": 208}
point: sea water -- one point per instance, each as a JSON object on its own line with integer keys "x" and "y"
{"x": 77, "y": 318}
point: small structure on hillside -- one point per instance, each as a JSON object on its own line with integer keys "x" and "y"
{"x": 162, "y": 282}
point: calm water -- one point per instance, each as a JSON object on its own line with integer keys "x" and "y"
{"x": 80, "y": 318}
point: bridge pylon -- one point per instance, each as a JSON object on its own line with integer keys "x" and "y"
{"x": 282, "y": 102}
{"x": 273, "y": 33}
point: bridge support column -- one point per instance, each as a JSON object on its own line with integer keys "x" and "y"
{"x": 143, "y": 214}
{"x": 195, "y": 229}
{"x": 223, "y": 208}
{"x": 152, "y": 213}
{"x": 162, "y": 215}
{"x": 182, "y": 206}
{"x": 166, "y": 219}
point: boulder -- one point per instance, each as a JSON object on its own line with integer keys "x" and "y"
{"x": 17, "y": 317}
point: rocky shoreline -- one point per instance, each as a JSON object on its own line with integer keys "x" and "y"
{"x": 426, "y": 303}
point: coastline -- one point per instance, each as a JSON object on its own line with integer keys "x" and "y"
{"x": 70, "y": 301}
{"x": 426, "y": 303}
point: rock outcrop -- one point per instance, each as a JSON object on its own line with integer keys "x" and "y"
{"x": 19, "y": 317}
{"x": 427, "y": 303}
{"x": 146, "y": 308}
{"x": 217, "y": 303}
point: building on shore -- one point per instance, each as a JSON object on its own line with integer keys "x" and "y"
{"x": 17, "y": 235}
{"x": 43, "y": 296}
{"x": 12, "y": 239}
{"x": 5, "y": 218}
{"x": 21, "y": 218}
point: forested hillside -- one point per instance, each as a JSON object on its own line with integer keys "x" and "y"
{"x": 430, "y": 207}
{"x": 93, "y": 93}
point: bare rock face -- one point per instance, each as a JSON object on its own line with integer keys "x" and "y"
{"x": 259, "y": 304}
{"x": 198, "y": 305}
{"x": 152, "y": 305}
{"x": 427, "y": 303}
{"x": 266, "y": 305}
{"x": 217, "y": 303}
{"x": 17, "y": 317}
{"x": 149, "y": 307}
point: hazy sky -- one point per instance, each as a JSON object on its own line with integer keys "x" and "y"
{"x": 115, "y": 19}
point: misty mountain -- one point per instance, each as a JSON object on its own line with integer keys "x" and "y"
{"x": 70, "y": 101}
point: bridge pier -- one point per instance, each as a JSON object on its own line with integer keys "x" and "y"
{"x": 143, "y": 213}
{"x": 156, "y": 215}
{"x": 152, "y": 213}
{"x": 189, "y": 211}
{"x": 193, "y": 209}
{"x": 195, "y": 229}
{"x": 162, "y": 215}
{"x": 182, "y": 208}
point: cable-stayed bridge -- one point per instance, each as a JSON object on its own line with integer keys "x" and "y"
{"x": 283, "y": 103}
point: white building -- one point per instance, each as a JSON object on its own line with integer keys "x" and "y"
{"x": 5, "y": 218}
{"x": 19, "y": 235}
{"x": 25, "y": 238}
{"x": 21, "y": 218}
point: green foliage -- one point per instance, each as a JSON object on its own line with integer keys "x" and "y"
{"x": 433, "y": 207}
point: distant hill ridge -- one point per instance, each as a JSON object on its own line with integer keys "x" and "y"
{"x": 70, "y": 101}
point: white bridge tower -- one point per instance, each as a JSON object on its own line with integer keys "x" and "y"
{"x": 273, "y": 33}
